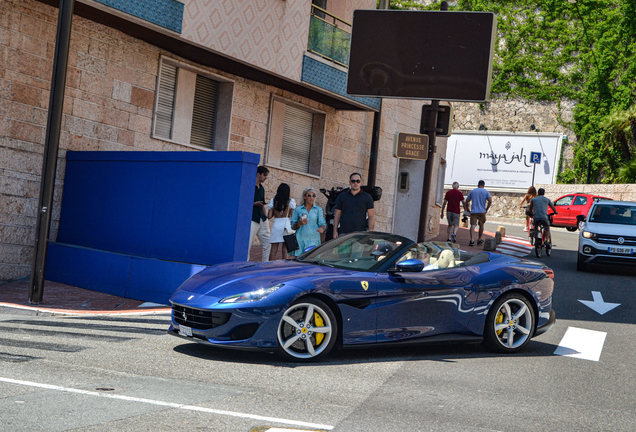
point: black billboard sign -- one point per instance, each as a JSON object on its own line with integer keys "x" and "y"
{"x": 422, "y": 54}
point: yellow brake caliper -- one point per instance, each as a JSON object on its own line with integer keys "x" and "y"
{"x": 499, "y": 320}
{"x": 318, "y": 322}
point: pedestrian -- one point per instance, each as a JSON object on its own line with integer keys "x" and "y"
{"x": 280, "y": 208}
{"x": 309, "y": 222}
{"x": 525, "y": 203}
{"x": 453, "y": 197}
{"x": 260, "y": 224}
{"x": 352, "y": 207}
{"x": 480, "y": 201}
{"x": 540, "y": 205}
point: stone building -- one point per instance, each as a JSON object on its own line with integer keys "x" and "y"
{"x": 188, "y": 75}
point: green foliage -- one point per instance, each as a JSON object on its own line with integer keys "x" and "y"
{"x": 627, "y": 174}
{"x": 550, "y": 50}
{"x": 566, "y": 177}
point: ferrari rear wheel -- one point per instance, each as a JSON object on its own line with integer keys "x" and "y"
{"x": 307, "y": 331}
{"x": 510, "y": 324}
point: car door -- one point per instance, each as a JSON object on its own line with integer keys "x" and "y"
{"x": 420, "y": 304}
{"x": 580, "y": 206}
{"x": 563, "y": 208}
{"x": 356, "y": 295}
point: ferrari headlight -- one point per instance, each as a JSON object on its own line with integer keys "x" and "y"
{"x": 589, "y": 235}
{"x": 252, "y": 295}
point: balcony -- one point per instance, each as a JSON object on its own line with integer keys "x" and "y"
{"x": 329, "y": 44}
{"x": 329, "y": 36}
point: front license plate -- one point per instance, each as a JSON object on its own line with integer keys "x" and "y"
{"x": 186, "y": 331}
{"x": 620, "y": 250}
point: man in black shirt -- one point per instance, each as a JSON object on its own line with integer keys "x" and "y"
{"x": 352, "y": 207}
{"x": 260, "y": 224}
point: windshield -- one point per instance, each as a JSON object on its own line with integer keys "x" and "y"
{"x": 614, "y": 214}
{"x": 361, "y": 251}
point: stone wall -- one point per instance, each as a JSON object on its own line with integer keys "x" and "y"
{"x": 506, "y": 204}
{"x": 617, "y": 192}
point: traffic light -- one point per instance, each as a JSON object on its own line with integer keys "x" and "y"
{"x": 444, "y": 120}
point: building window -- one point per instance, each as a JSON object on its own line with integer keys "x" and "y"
{"x": 192, "y": 108}
{"x": 439, "y": 195}
{"x": 296, "y": 136}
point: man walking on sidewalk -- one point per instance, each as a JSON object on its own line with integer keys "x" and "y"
{"x": 453, "y": 197}
{"x": 481, "y": 202}
{"x": 260, "y": 224}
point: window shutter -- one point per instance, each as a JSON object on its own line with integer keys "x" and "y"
{"x": 165, "y": 101}
{"x": 204, "y": 113}
{"x": 296, "y": 146}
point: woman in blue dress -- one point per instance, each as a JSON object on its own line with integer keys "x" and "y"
{"x": 308, "y": 221}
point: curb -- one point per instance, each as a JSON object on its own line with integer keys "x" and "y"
{"x": 71, "y": 312}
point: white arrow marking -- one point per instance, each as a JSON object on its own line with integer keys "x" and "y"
{"x": 598, "y": 304}
{"x": 581, "y": 343}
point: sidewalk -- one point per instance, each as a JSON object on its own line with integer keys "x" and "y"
{"x": 61, "y": 299}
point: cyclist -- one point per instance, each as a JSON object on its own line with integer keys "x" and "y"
{"x": 540, "y": 206}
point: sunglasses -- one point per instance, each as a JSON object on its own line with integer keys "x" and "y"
{"x": 311, "y": 196}
{"x": 355, "y": 181}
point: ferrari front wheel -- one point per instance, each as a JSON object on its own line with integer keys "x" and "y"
{"x": 509, "y": 324}
{"x": 307, "y": 330}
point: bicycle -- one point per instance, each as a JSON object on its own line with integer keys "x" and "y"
{"x": 541, "y": 239}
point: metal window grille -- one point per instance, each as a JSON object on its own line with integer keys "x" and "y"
{"x": 165, "y": 101}
{"x": 204, "y": 113}
{"x": 296, "y": 146}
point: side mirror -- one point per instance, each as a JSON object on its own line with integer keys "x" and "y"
{"x": 308, "y": 248}
{"x": 580, "y": 218}
{"x": 410, "y": 265}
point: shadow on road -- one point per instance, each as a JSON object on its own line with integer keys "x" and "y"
{"x": 438, "y": 353}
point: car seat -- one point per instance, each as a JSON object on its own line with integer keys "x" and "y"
{"x": 446, "y": 260}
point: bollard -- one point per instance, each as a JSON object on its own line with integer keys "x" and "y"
{"x": 502, "y": 230}
{"x": 498, "y": 237}
{"x": 490, "y": 245}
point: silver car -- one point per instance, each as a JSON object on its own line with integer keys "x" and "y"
{"x": 608, "y": 235}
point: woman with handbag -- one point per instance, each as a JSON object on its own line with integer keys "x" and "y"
{"x": 280, "y": 208}
{"x": 532, "y": 192}
{"x": 309, "y": 222}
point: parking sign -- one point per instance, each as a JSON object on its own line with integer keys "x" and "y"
{"x": 535, "y": 157}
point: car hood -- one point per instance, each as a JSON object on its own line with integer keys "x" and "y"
{"x": 228, "y": 279}
{"x": 611, "y": 229}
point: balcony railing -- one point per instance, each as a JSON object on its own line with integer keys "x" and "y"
{"x": 329, "y": 36}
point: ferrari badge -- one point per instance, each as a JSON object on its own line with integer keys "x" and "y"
{"x": 365, "y": 285}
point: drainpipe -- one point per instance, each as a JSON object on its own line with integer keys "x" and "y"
{"x": 51, "y": 147}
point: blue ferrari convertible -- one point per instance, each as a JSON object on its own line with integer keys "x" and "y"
{"x": 366, "y": 288}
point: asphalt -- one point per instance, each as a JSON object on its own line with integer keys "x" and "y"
{"x": 62, "y": 299}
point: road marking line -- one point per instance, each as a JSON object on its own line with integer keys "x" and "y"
{"x": 166, "y": 404}
{"x": 581, "y": 343}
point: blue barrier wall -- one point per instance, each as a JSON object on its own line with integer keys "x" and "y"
{"x": 137, "y": 224}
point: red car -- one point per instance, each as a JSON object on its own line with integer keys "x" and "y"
{"x": 569, "y": 207}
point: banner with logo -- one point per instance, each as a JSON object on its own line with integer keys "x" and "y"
{"x": 501, "y": 159}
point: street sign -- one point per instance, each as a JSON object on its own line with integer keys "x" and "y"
{"x": 444, "y": 120}
{"x": 535, "y": 157}
{"x": 410, "y": 146}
